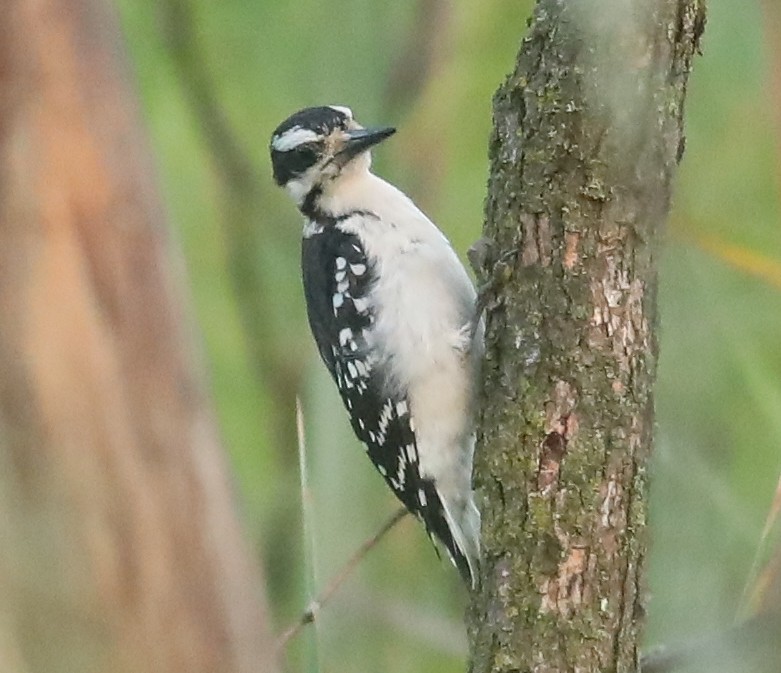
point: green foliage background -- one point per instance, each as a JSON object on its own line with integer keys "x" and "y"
{"x": 719, "y": 401}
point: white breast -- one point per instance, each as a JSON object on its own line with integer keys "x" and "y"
{"x": 423, "y": 303}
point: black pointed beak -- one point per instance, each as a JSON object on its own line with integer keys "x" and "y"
{"x": 360, "y": 140}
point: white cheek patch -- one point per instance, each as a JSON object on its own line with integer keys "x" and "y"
{"x": 293, "y": 138}
{"x": 298, "y": 188}
{"x": 344, "y": 110}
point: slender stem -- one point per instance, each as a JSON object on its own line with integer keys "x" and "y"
{"x": 310, "y": 614}
{"x": 760, "y": 579}
{"x": 310, "y": 548}
{"x": 243, "y": 226}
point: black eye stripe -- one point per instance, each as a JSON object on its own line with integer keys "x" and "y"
{"x": 302, "y": 158}
{"x": 291, "y": 163}
{"x": 313, "y": 148}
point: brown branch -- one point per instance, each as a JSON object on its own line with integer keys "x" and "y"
{"x": 310, "y": 614}
{"x": 421, "y": 62}
{"x": 121, "y": 547}
{"x": 771, "y": 26}
{"x": 179, "y": 30}
{"x": 424, "y": 51}
{"x": 243, "y": 225}
{"x": 762, "y": 592}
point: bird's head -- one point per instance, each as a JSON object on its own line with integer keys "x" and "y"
{"x": 318, "y": 145}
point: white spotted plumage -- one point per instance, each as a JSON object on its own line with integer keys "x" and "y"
{"x": 383, "y": 283}
{"x": 422, "y": 302}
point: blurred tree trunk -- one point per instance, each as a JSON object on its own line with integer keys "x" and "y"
{"x": 588, "y": 132}
{"x": 120, "y": 548}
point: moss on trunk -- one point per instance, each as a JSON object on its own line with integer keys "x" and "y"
{"x": 587, "y": 134}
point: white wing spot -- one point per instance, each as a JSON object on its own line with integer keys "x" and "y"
{"x": 345, "y": 336}
{"x": 412, "y": 453}
{"x": 385, "y": 416}
{"x": 422, "y": 497}
{"x": 358, "y": 269}
{"x": 401, "y": 408}
{"x": 400, "y": 472}
{"x": 338, "y": 299}
{"x": 340, "y": 276}
{"x": 341, "y": 263}
{"x": 352, "y": 370}
{"x": 381, "y": 469}
{"x": 342, "y": 287}
{"x": 361, "y": 304}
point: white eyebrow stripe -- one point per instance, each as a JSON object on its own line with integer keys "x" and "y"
{"x": 344, "y": 110}
{"x": 293, "y": 138}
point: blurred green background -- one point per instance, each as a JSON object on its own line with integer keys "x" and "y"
{"x": 215, "y": 79}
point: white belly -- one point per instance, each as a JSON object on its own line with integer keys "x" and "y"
{"x": 423, "y": 315}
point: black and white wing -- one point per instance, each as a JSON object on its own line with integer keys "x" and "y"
{"x": 337, "y": 281}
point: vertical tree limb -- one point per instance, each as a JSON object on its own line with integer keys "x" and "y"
{"x": 245, "y": 224}
{"x": 121, "y": 549}
{"x": 588, "y": 132}
{"x": 771, "y": 27}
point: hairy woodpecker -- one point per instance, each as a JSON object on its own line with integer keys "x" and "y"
{"x": 392, "y": 310}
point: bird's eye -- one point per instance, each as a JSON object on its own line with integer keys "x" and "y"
{"x": 303, "y": 156}
{"x": 307, "y": 151}
{"x": 294, "y": 161}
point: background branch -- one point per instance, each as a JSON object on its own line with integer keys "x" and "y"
{"x": 322, "y": 599}
{"x": 120, "y": 545}
{"x": 247, "y": 230}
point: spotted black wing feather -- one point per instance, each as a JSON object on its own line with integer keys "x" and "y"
{"x": 335, "y": 321}
{"x": 337, "y": 279}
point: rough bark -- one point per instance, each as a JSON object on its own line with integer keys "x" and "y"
{"x": 588, "y": 132}
{"x": 120, "y": 549}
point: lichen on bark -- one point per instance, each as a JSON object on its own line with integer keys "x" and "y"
{"x": 587, "y": 133}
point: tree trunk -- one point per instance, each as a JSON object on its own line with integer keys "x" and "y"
{"x": 588, "y": 132}
{"x": 120, "y": 549}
